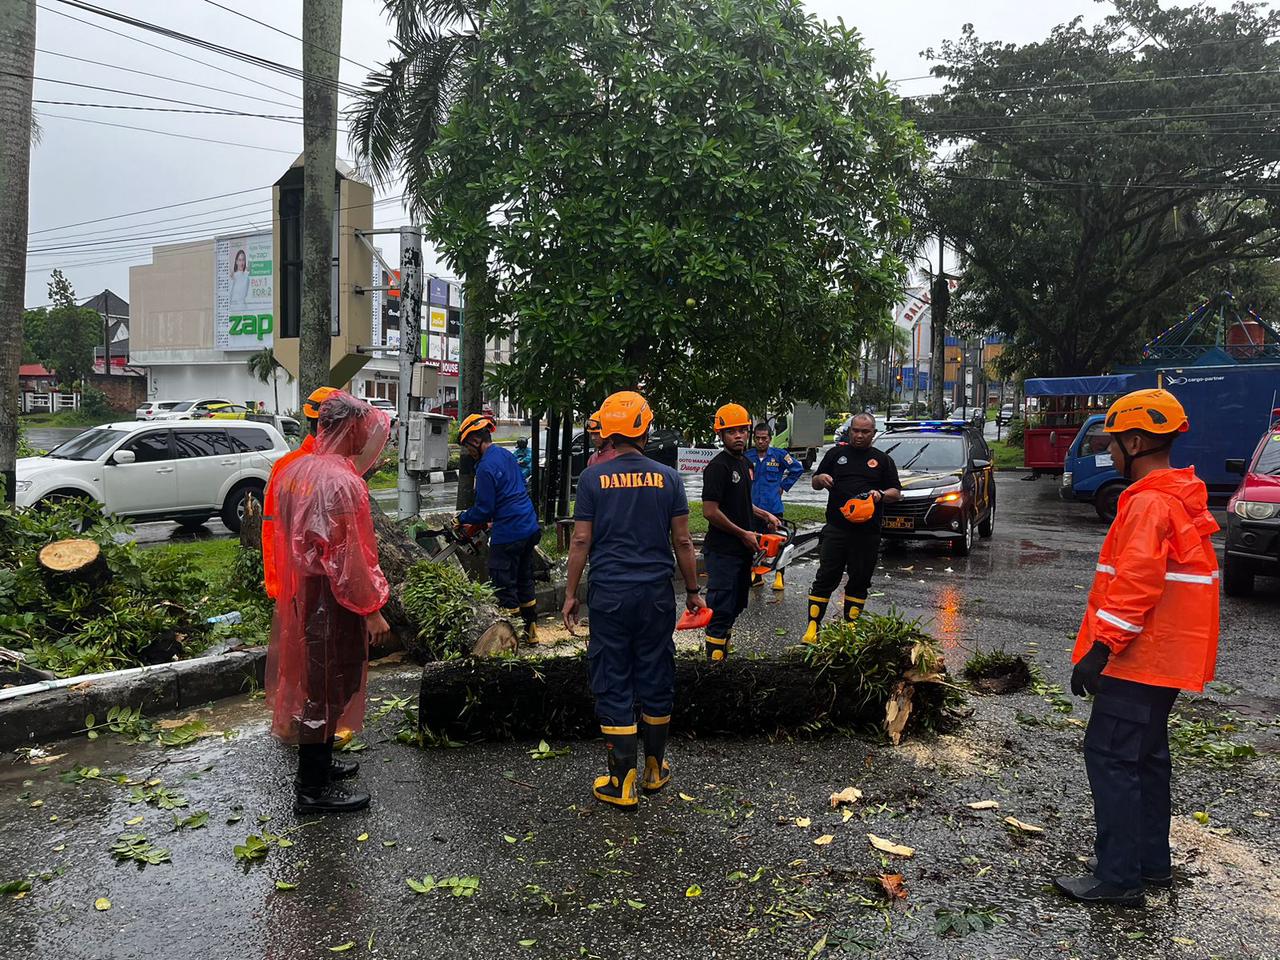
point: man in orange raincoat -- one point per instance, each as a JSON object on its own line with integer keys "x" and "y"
{"x": 1150, "y": 630}
{"x": 331, "y": 590}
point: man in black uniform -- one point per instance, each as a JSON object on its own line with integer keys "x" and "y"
{"x": 859, "y": 479}
{"x": 731, "y": 542}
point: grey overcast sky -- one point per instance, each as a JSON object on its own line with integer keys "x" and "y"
{"x": 86, "y": 169}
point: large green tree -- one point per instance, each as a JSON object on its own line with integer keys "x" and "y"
{"x": 63, "y": 335}
{"x": 699, "y": 200}
{"x": 1097, "y": 181}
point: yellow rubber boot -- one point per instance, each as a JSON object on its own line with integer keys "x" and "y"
{"x": 853, "y": 607}
{"x": 618, "y": 787}
{"x": 717, "y": 648}
{"x": 777, "y": 581}
{"x": 756, "y": 579}
{"x": 657, "y": 772}
{"x": 817, "y": 609}
{"x": 529, "y": 614}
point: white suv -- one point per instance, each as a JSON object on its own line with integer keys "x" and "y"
{"x": 153, "y": 408}
{"x": 189, "y": 409}
{"x": 148, "y": 471}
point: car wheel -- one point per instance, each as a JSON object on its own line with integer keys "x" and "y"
{"x": 1107, "y": 501}
{"x": 962, "y": 545}
{"x": 233, "y": 509}
{"x": 1236, "y": 580}
{"x": 988, "y": 526}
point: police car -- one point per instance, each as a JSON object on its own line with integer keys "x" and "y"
{"x": 948, "y": 483}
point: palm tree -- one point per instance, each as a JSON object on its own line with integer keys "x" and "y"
{"x": 439, "y": 59}
{"x": 266, "y": 368}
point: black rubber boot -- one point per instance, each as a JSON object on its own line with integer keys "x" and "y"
{"x": 717, "y": 648}
{"x": 341, "y": 768}
{"x": 853, "y": 607}
{"x": 618, "y": 786}
{"x": 657, "y": 772}
{"x": 1089, "y": 889}
{"x": 1157, "y": 880}
{"x": 314, "y": 791}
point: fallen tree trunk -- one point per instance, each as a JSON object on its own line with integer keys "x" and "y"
{"x": 551, "y": 697}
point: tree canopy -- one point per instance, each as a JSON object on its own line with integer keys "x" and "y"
{"x": 698, "y": 200}
{"x": 62, "y": 336}
{"x": 1100, "y": 180}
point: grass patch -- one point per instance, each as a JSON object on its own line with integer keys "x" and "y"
{"x": 72, "y": 418}
{"x": 232, "y": 579}
{"x": 799, "y": 514}
{"x": 1007, "y": 457}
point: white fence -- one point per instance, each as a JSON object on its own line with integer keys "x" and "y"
{"x": 50, "y": 402}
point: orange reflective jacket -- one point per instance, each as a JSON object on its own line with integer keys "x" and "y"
{"x": 271, "y": 579}
{"x": 1154, "y": 600}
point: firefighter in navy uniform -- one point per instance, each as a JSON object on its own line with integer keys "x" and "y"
{"x": 858, "y": 479}
{"x": 731, "y": 542}
{"x": 629, "y": 513}
{"x": 774, "y": 473}
{"x": 502, "y": 498}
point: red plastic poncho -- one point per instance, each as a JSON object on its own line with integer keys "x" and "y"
{"x": 326, "y": 558}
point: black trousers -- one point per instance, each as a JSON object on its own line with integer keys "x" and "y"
{"x": 728, "y": 589}
{"x": 841, "y": 552}
{"x": 1126, "y": 754}
{"x": 511, "y": 571}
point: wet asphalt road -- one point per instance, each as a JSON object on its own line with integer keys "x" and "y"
{"x": 580, "y": 880}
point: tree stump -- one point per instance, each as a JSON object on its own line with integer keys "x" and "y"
{"x": 251, "y": 525}
{"x": 73, "y": 561}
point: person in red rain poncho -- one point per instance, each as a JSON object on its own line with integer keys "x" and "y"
{"x": 331, "y": 590}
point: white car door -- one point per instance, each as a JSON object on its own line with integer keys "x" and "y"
{"x": 147, "y": 485}
{"x": 205, "y": 461}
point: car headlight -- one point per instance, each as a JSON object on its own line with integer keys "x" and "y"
{"x": 948, "y": 494}
{"x": 1066, "y": 478}
{"x": 1248, "y": 509}
{"x": 22, "y": 486}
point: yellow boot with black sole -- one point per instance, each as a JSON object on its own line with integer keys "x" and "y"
{"x": 817, "y": 610}
{"x": 657, "y": 772}
{"x": 618, "y": 787}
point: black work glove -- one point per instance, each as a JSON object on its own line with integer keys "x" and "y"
{"x": 1084, "y": 678}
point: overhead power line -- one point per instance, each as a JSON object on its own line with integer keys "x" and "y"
{"x": 173, "y": 53}
{"x": 184, "y": 110}
{"x": 1088, "y": 83}
{"x": 291, "y": 36}
{"x": 168, "y": 133}
{"x": 156, "y": 76}
{"x": 249, "y": 58}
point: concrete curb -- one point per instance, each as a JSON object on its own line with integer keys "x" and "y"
{"x": 53, "y": 709}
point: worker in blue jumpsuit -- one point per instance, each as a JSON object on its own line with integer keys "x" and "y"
{"x": 629, "y": 514}
{"x": 773, "y": 472}
{"x": 503, "y": 500}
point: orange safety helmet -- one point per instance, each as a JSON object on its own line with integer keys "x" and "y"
{"x": 859, "y": 509}
{"x": 1154, "y": 411}
{"x": 732, "y": 415}
{"x": 473, "y": 424}
{"x": 624, "y": 414}
{"x": 593, "y": 423}
{"x": 311, "y": 409}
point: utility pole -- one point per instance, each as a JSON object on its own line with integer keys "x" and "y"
{"x": 940, "y": 298}
{"x": 17, "y": 61}
{"x": 471, "y": 360}
{"x": 321, "y": 37}
{"x": 411, "y": 284}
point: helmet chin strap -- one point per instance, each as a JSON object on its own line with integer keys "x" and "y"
{"x": 1127, "y": 471}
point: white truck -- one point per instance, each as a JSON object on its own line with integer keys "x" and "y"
{"x": 804, "y": 434}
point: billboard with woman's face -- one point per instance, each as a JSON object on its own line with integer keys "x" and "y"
{"x": 243, "y": 292}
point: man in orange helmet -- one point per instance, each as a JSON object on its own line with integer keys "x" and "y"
{"x": 1150, "y": 630}
{"x": 629, "y": 513}
{"x": 731, "y": 542}
{"x": 858, "y": 479}
{"x": 602, "y": 449}
{"x": 502, "y": 498}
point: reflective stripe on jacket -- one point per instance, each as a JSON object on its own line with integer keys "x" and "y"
{"x": 1154, "y": 600}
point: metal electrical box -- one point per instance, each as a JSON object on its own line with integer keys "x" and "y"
{"x": 428, "y": 447}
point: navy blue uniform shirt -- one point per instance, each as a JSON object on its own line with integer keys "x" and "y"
{"x": 630, "y": 501}
{"x": 501, "y": 497}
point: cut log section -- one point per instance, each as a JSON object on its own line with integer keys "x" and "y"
{"x": 551, "y": 697}
{"x": 73, "y": 561}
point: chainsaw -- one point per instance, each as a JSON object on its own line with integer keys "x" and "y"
{"x": 777, "y": 550}
{"x": 463, "y": 538}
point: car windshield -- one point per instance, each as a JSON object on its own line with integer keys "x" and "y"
{"x": 1269, "y": 459}
{"x": 924, "y": 453}
{"x": 89, "y": 445}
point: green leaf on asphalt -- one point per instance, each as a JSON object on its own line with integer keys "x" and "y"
{"x": 510, "y": 839}
{"x": 527, "y": 943}
{"x": 736, "y": 875}
{"x": 693, "y": 890}
{"x": 635, "y": 904}
{"x": 342, "y": 947}
{"x": 193, "y": 822}
{"x": 281, "y": 885}
{"x": 14, "y": 886}
{"x": 102, "y": 903}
